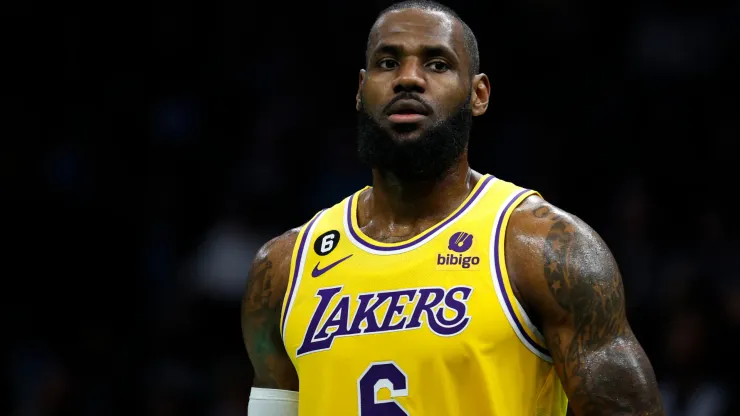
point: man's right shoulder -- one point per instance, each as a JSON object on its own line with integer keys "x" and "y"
{"x": 280, "y": 248}
{"x": 268, "y": 278}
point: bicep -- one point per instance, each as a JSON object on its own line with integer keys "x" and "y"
{"x": 571, "y": 281}
{"x": 602, "y": 366}
{"x": 260, "y": 320}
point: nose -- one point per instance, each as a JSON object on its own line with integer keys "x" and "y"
{"x": 410, "y": 77}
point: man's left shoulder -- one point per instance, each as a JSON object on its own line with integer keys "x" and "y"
{"x": 549, "y": 249}
{"x": 537, "y": 218}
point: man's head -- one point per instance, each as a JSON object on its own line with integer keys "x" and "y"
{"x": 420, "y": 90}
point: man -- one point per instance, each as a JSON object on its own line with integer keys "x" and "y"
{"x": 438, "y": 290}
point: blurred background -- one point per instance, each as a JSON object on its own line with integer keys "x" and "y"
{"x": 149, "y": 151}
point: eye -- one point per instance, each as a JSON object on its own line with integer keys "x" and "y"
{"x": 439, "y": 66}
{"x": 387, "y": 63}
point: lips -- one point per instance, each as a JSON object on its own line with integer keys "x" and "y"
{"x": 407, "y": 112}
{"x": 407, "y": 107}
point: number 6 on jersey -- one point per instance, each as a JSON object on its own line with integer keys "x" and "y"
{"x": 326, "y": 243}
{"x": 378, "y": 376}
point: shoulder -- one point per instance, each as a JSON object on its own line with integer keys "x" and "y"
{"x": 279, "y": 249}
{"x": 535, "y": 219}
{"x": 550, "y": 253}
{"x": 538, "y": 229}
{"x": 268, "y": 276}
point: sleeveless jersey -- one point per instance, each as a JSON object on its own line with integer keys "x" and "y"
{"x": 428, "y": 326}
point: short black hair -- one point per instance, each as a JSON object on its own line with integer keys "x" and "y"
{"x": 471, "y": 43}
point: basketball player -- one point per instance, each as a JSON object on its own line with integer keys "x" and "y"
{"x": 439, "y": 290}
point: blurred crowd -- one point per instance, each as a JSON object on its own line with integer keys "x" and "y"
{"x": 159, "y": 153}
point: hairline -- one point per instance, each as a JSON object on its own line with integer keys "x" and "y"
{"x": 469, "y": 39}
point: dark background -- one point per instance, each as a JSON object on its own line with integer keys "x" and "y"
{"x": 149, "y": 150}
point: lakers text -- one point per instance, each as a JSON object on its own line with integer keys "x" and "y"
{"x": 444, "y": 311}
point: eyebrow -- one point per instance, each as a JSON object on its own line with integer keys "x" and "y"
{"x": 427, "y": 50}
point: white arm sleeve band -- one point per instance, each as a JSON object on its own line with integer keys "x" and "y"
{"x": 272, "y": 402}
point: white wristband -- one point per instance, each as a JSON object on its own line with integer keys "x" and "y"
{"x": 272, "y": 402}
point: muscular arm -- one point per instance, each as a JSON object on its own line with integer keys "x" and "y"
{"x": 260, "y": 316}
{"x": 568, "y": 280}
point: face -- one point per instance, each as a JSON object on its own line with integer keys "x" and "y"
{"x": 417, "y": 97}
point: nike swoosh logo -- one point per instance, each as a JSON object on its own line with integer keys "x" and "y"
{"x": 318, "y": 272}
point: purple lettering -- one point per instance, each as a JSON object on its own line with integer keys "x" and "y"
{"x": 338, "y": 318}
{"x": 449, "y": 327}
{"x": 365, "y": 312}
{"x": 432, "y": 302}
{"x": 425, "y": 305}
{"x": 394, "y": 308}
{"x": 326, "y": 295}
{"x": 465, "y": 262}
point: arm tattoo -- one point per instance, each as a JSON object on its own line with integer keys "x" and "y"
{"x": 258, "y": 295}
{"x": 601, "y": 365}
{"x": 261, "y": 308}
{"x": 599, "y": 303}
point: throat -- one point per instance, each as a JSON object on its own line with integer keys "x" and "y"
{"x": 397, "y": 232}
{"x": 393, "y": 212}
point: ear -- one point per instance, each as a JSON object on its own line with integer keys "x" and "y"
{"x": 359, "y": 90}
{"x": 481, "y": 94}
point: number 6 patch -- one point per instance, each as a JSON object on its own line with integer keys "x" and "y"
{"x": 326, "y": 242}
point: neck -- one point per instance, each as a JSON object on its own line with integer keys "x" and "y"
{"x": 397, "y": 201}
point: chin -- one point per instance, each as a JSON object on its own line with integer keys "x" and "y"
{"x": 415, "y": 151}
{"x": 406, "y": 132}
{"x": 407, "y": 137}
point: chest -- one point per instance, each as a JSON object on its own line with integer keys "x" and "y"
{"x": 433, "y": 303}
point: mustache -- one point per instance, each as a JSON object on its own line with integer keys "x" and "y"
{"x": 408, "y": 96}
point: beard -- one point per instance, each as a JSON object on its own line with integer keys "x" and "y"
{"x": 426, "y": 158}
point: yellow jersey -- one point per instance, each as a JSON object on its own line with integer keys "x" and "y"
{"x": 428, "y": 326}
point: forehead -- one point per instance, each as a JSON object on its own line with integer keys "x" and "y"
{"x": 416, "y": 27}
